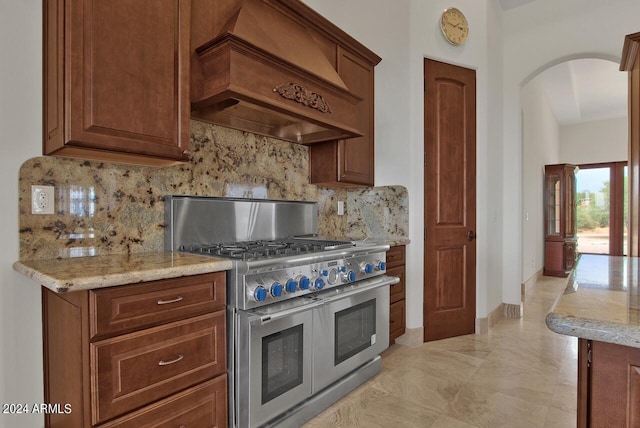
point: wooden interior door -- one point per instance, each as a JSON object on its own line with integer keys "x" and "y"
{"x": 449, "y": 200}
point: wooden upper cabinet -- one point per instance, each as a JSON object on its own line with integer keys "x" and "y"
{"x": 116, "y": 80}
{"x": 349, "y": 162}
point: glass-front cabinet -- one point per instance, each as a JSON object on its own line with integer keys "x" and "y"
{"x": 560, "y": 237}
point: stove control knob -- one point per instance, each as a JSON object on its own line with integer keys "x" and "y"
{"x": 276, "y": 289}
{"x": 366, "y": 268}
{"x": 342, "y": 269}
{"x": 291, "y": 285}
{"x": 259, "y": 293}
{"x": 349, "y": 276}
{"x": 381, "y": 265}
{"x": 324, "y": 272}
{"x": 318, "y": 283}
{"x": 304, "y": 282}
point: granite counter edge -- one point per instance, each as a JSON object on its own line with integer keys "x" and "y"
{"x": 602, "y": 331}
{"x": 110, "y": 280}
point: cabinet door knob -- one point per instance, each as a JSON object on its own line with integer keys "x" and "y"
{"x": 471, "y": 235}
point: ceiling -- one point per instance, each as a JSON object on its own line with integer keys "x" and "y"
{"x": 581, "y": 90}
{"x": 585, "y": 90}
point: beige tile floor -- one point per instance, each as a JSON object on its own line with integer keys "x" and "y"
{"x": 520, "y": 375}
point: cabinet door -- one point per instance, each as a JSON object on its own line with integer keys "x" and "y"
{"x": 355, "y": 155}
{"x": 397, "y": 315}
{"x": 204, "y": 405}
{"x": 570, "y": 201}
{"x": 118, "y": 310}
{"x": 614, "y": 386}
{"x": 138, "y": 368}
{"x": 569, "y": 255}
{"x": 125, "y": 86}
{"x": 349, "y": 162}
{"x": 553, "y": 205}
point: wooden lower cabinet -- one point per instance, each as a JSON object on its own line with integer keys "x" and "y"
{"x": 204, "y": 405}
{"x": 560, "y": 257}
{"x": 608, "y": 385}
{"x": 397, "y": 313}
{"x": 149, "y": 354}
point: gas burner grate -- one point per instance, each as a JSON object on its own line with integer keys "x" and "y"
{"x": 255, "y": 250}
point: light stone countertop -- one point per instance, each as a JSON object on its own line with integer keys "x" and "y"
{"x": 601, "y": 301}
{"x": 84, "y": 273}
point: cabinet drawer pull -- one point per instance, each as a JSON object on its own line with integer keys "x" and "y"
{"x": 175, "y": 360}
{"x": 166, "y": 302}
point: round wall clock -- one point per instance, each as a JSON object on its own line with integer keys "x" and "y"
{"x": 454, "y": 26}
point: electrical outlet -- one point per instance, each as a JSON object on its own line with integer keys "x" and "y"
{"x": 42, "y": 199}
{"x": 340, "y": 207}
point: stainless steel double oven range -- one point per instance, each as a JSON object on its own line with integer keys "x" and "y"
{"x": 307, "y": 318}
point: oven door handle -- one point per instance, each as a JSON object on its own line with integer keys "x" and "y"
{"x": 360, "y": 287}
{"x": 258, "y": 319}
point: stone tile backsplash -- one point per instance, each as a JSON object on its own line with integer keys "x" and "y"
{"x": 109, "y": 208}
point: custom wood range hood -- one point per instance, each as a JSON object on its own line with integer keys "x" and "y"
{"x": 262, "y": 66}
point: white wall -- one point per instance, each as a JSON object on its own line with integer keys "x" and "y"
{"x": 538, "y": 35}
{"x": 21, "y": 131}
{"x": 541, "y": 146}
{"x": 594, "y": 142}
{"x": 403, "y": 33}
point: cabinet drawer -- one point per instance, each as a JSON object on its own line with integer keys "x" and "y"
{"x": 202, "y": 406}
{"x": 136, "y": 369}
{"x": 396, "y": 256}
{"x": 132, "y": 307}
{"x": 397, "y": 291}
{"x": 396, "y": 320}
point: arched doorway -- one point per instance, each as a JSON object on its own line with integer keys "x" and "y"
{"x": 573, "y": 111}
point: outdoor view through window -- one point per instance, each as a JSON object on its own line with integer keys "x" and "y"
{"x": 594, "y": 201}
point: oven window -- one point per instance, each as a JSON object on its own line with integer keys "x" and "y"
{"x": 355, "y": 330}
{"x": 281, "y": 362}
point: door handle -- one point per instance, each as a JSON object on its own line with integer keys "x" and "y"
{"x": 471, "y": 235}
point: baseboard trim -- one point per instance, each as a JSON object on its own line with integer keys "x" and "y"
{"x": 531, "y": 282}
{"x": 513, "y": 311}
{"x": 413, "y": 337}
{"x": 483, "y": 325}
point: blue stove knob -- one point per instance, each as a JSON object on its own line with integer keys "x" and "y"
{"x": 260, "y": 294}
{"x": 349, "y": 276}
{"x": 318, "y": 284}
{"x": 304, "y": 282}
{"x": 381, "y": 266}
{"x": 291, "y": 285}
{"x": 367, "y": 268}
{"x": 276, "y": 289}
